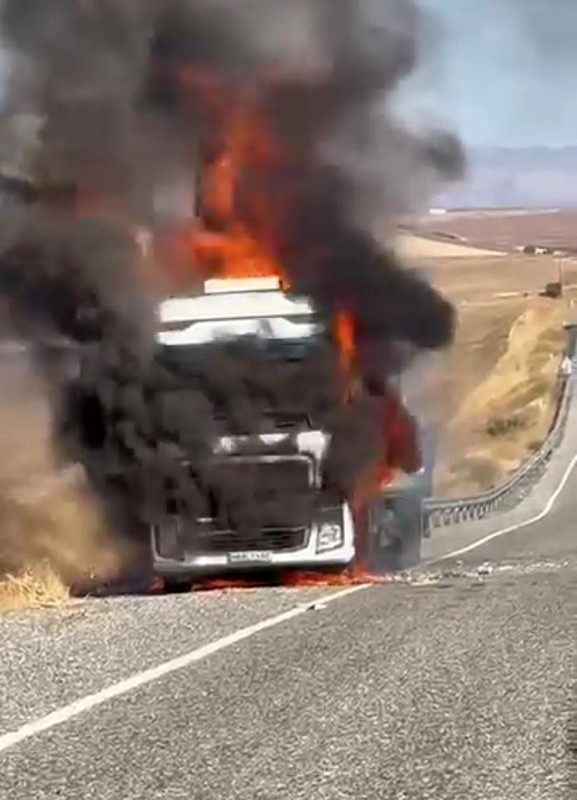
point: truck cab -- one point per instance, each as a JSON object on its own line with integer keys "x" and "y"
{"x": 287, "y": 453}
{"x": 314, "y": 533}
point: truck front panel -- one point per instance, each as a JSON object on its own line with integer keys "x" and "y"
{"x": 287, "y": 522}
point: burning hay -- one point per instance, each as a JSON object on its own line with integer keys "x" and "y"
{"x": 239, "y": 135}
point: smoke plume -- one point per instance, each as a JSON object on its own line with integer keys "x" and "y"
{"x": 133, "y": 96}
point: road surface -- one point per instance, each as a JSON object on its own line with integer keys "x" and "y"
{"x": 454, "y": 684}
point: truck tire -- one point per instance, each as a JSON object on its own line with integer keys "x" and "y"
{"x": 410, "y": 547}
{"x": 395, "y": 533}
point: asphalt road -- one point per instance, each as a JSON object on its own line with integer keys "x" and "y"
{"x": 454, "y": 684}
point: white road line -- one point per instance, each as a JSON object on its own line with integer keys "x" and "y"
{"x": 537, "y": 518}
{"x": 66, "y": 713}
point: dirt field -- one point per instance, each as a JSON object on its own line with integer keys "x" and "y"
{"x": 494, "y": 392}
{"x": 505, "y": 230}
{"x": 414, "y": 248}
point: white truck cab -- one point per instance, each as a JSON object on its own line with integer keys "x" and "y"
{"x": 230, "y": 309}
{"x": 297, "y": 520}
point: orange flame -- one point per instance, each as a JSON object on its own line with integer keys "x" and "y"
{"x": 345, "y": 337}
{"x": 355, "y": 575}
{"x": 219, "y": 245}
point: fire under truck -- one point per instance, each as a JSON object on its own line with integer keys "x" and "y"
{"x": 287, "y": 328}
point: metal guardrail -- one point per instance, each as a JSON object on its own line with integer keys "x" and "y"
{"x": 452, "y": 511}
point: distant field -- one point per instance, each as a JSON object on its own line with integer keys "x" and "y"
{"x": 506, "y": 231}
{"x": 415, "y": 247}
{"x": 490, "y": 279}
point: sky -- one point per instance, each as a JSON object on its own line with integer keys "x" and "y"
{"x": 500, "y": 72}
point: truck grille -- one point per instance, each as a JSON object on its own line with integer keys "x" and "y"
{"x": 264, "y": 474}
{"x": 250, "y": 503}
{"x": 275, "y": 540}
{"x": 267, "y": 492}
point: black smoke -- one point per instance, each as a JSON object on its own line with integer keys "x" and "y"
{"x": 110, "y": 82}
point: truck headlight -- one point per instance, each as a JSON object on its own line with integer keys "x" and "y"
{"x": 330, "y": 535}
{"x": 168, "y": 539}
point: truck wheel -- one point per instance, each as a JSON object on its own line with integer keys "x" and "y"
{"x": 396, "y": 530}
{"x": 409, "y": 552}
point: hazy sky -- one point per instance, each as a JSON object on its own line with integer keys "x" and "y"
{"x": 501, "y": 71}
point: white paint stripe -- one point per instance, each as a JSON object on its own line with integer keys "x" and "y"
{"x": 91, "y": 701}
{"x": 537, "y": 518}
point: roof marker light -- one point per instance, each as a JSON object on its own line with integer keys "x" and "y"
{"x": 226, "y": 285}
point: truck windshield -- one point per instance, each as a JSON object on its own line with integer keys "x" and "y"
{"x": 276, "y": 338}
{"x": 285, "y": 380}
{"x": 189, "y": 359}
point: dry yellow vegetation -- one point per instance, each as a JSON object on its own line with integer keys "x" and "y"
{"x": 38, "y": 586}
{"x": 507, "y": 415}
{"x": 51, "y": 540}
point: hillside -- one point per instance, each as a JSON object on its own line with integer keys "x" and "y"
{"x": 492, "y": 394}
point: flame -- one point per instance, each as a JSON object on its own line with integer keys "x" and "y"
{"x": 401, "y": 438}
{"x": 219, "y": 244}
{"x": 225, "y": 585}
{"x": 353, "y": 576}
{"x": 356, "y": 575}
{"x": 400, "y": 451}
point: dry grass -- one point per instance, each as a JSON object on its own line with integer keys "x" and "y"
{"x": 51, "y": 542}
{"x": 39, "y": 586}
{"x": 482, "y": 279}
{"x": 506, "y": 416}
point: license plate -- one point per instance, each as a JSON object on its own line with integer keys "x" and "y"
{"x": 250, "y": 557}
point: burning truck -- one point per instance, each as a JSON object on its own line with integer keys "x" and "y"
{"x": 271, "y": 483}
{"x": 271, "y": 494}
{"x": 235, "y": 423}
{"x": 261, "y": 432}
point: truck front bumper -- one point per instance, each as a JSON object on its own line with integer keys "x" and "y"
{"x": 327, "y": 543}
